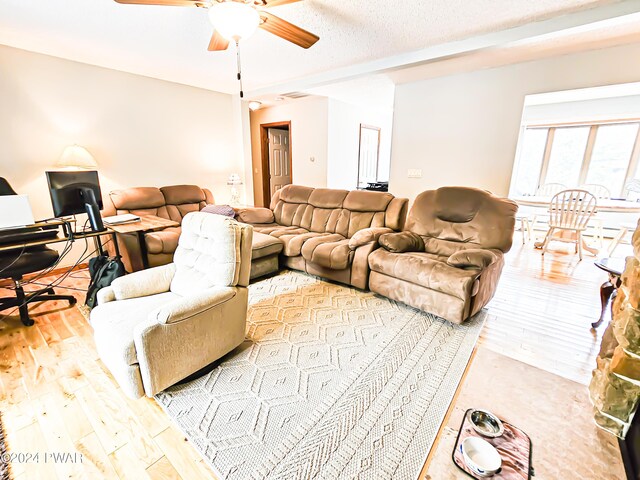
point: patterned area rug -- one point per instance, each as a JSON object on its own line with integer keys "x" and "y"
{"x": 331, "y": 383}
{"x": 5, "y": 466}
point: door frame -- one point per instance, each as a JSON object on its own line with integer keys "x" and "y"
{"x": 264, "y": 143}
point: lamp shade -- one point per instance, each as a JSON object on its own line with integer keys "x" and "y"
{"x": 234, "y": 179}
{"x": 234, "y": 20}
{"x": 75, "y": 156}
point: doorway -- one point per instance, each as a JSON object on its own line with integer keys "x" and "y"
{"x": 276, "y": 158}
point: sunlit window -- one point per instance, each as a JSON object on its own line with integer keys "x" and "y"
{"x": 593, "y": 155}
{"x": 567, "y": 154}
{"x": 611, "y": 154}
{"x": 531, "y": 156}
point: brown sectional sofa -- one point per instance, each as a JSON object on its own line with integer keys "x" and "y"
{"x": 449, "y": 258}
{"x": 172, "y": 202}
{"x": 327, "y": 232}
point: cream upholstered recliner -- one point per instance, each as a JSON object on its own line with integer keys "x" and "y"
{"x": 449, "y": 257}
{"x": 155, "y": 327}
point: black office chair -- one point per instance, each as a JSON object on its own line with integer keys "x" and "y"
{"x": 18, "y": 262}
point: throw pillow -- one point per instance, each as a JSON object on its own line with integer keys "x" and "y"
{"x": 224, "y": 210}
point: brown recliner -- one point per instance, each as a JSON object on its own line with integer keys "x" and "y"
{"x": 172, "y": 202}
{"x": 327, "y": 232}
{"x": 449, "y": 258}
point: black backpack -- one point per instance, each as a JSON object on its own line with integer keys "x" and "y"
{"x": 103, "y": 270}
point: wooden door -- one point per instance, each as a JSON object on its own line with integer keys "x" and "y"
{"x": 279, "y": 161}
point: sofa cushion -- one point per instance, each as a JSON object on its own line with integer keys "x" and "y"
{"x": 295, "y": 194}
{"x": 257, "y": 215}
{"x": 366, "y": 201}
{"x": 183, "y": 199}
{"x": 138, "y": 201}
{"x": 264, "y": 245}
{"x": 293, "y": 242}
{"x": 278, "y": 230}
{"x": 330, "y": 251}
{"x": 139, "y": 198}
{"x": 424, "y": 269}
{"x": 327, "y": 197}
{"x": 114, "y": 323}
{"x": 163, "y": 241}
{"x": 402, "y": 242}
{"x": 473, "y": 258}
{"x": 181, "y": 194}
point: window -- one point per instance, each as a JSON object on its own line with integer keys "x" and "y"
{"x": 531, "y": 156}
{"x": 567, "y": 153}
{"x": 600, "y": 154}
{"x": 611, "y": 154}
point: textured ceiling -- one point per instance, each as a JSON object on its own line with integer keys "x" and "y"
{"x": 170, "y": 42}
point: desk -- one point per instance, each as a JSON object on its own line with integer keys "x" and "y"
{"x": 147, "y": 223}
{"x": 58, "y": 239}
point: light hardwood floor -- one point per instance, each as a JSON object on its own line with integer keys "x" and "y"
{"x": 57, "y": 396}
{"x": 542, "y": 312}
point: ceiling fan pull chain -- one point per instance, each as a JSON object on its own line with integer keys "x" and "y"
{"x": 239, "y": 68}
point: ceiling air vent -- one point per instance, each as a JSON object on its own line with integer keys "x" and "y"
{"x": 295, "y": 95}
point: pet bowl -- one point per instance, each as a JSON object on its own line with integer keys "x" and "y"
{"x": 480, "y": 456}
{"x": 486, "y": 423}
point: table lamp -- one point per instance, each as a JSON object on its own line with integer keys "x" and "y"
{"x": 76, "y": 157}
{"x": 233, "y": 181}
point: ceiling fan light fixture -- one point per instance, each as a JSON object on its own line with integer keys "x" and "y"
{"x": 234, "y": 20}
{"x": 254, "y": 105}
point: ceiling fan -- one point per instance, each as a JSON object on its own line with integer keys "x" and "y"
{"x": 236, "y": 20}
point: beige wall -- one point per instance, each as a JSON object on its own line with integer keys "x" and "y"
{"x": 344, "y": 141}
{"x": 309, "y": 123}
{"x": 141, "y": 131}
{"x": 463, "y": 129}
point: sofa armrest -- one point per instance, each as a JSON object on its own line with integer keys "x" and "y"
{"x": 401, "y": 242}
{"x": 255, "y": 215}
{"x": 475, "y": 258}
{"x": 144, "y": 283}
{"x": 105, "y": 295}
{"x": 189, "y": 306}
{"x": 367, "y": 235}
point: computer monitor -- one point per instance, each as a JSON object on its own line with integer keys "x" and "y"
{"x": 76, "y": 192}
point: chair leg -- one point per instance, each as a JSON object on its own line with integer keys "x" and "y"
{"x": 601, "y": 233}
{"x": 579, "y": 242}
{"x": 616, "y": 240}
{"x": 23, "y": 306}
{"x": 23, "y": 299}
{"x": 532, "y": 227}
{"x": 522, "y": 228}
{"x": 547, "y": 239}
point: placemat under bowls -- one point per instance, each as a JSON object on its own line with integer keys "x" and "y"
{"x": 514, "y": 447}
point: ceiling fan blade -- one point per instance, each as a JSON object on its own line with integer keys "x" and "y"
{"x": 286, "y": 30}
{"x": 218, "y": 42}
{"x": 275, "y": 3}
{"x": 171, "y": 3}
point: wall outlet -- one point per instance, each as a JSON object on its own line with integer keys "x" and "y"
{"x": 414, "y": 173}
